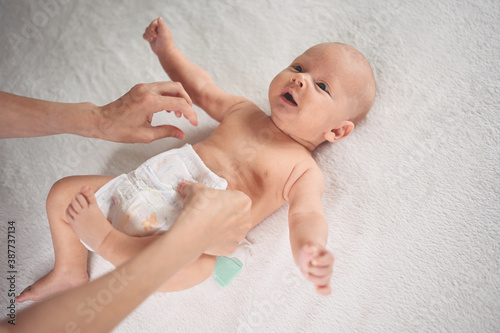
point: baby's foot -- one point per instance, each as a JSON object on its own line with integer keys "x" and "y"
{"x": 159, "y": 36}
{"x": 53, "y": 283}
{"x": 87, "y": 220}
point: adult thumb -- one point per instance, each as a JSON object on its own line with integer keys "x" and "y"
{"x": 184, "y": 188}
{"x": 167, "y": 131}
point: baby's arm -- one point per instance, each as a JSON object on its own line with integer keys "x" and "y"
{"x": 196, "y": 81}
{"x": 309, "y": 229}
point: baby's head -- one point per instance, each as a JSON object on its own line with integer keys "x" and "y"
{"x": 323, "y": 94}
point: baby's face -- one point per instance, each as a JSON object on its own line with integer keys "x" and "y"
{"x": 309, "y": 98}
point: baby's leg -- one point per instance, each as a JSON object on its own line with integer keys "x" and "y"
{"x": 87, "y": 220}
{"x": 91, "y": 226}
{"x": 118, "y": 247}
{"x": 70, "y": 267}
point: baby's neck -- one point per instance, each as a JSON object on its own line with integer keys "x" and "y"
{"x": 306, "y": 144}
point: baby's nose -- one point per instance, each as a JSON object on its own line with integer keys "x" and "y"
{"x": 299, "y": 79}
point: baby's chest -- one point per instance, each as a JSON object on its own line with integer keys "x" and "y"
{"x": 266, "y": 175}
{"x": 264, "y": 182}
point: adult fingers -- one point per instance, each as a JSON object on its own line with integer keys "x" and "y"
{"x": 169, "y": 96}
{"x": 243, "y": 202}
{"x": 185, "y": 188}
{"x": 178, "y": 105}
{"x": 165, "y": 131}
{"x": 169, "y": 88}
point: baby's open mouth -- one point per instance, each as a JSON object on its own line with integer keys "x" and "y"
{"x": 289, "y": 97}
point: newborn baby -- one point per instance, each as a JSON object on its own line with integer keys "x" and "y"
{"x": 320, "y": 97}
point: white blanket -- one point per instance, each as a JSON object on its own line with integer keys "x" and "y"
{"x": 411, "y": 196}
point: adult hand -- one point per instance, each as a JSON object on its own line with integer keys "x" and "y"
{"x": 128, "y": 119}
{"x": 223, "y": 217}
{"x": 209, "y": 217}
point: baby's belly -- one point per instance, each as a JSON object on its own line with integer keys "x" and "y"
{"x": 220, "y": 163}
{"x": 264, "y": 189}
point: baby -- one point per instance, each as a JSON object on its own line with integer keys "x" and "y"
{"x": 320, "y": 97}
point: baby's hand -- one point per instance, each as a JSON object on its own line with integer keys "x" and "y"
{"x": 316, "y": 264}
{"x": 159, "y": 36}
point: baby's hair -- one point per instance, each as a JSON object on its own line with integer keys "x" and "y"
{"x": 365, "y": 94}
{"x": 360, "y": 82}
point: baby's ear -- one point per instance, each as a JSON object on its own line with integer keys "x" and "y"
{"x": 340, "y": 132}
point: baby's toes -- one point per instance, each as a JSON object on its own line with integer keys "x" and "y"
{"x": 82, "y": 201}
{"x": 87, "y": 192}
{"x": 70, "y": 214}
{"x": 75, "y": 205}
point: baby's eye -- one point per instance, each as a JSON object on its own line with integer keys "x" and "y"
{"x": 298, "y": 68}
{"x": 322, "y": 86}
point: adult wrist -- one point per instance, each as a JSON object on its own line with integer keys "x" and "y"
{"x": 92, "y": 121}
{"x": 191, "y": 231}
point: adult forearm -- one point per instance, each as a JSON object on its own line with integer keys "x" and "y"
{"x": 102, "y": 304}
{"x": 210, "y": 217}
{"x": 29, "y": 117}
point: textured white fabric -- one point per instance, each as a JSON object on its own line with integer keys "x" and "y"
{"x": 411, "y": 196}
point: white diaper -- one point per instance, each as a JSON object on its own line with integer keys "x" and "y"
{"x": 145, "y": 201}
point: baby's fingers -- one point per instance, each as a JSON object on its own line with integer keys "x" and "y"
{"x": 305, "y": 257}
{"x": 151, "y": 30}
{"x": 324, "y": 290}
{"x": 322, "y": 259}
{"x": 320, "y": 271}
{"x": 319, "y": 280}
{"x": 153, "y": 26}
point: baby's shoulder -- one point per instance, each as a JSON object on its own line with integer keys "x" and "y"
{"x": 306, "y": 163}
{"x": 244, "y": 108}
{"x": 305, "y": 172}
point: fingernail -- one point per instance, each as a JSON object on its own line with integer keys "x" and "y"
{"x": 181, "y": 184}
